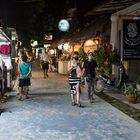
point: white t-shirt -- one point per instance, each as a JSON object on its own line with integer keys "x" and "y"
{"x": 44, "y": 57}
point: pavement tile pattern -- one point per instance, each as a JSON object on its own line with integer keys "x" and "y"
{"x": 48, "y": 115}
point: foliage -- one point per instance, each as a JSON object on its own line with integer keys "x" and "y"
{"x": 138, "y": 79}
{"x": 39, "y": 17}
{"x": 82, "y": 54}
{"x": 100, "y": 56}
{"x": 131, "y": 90}
{"x": 113, "y": 57}
{"x": 2, "y": 101}
{"x": 105, "y": 57}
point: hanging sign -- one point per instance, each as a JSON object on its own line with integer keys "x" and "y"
{"x": 89, "y": 46}
{"x": 131, "y": 39}
{"x": 63, "y": 25}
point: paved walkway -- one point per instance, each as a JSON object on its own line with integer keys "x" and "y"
{"x": 48, "y": 115}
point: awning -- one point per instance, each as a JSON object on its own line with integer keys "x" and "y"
{"x": 3, "y": 37}
{"x": 111, "y": 6}
{"x": 101, "y": 25}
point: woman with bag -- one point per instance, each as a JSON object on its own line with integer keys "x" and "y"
{"x": 75, "y": 79}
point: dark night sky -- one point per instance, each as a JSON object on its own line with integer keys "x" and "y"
{"x": 12, "y": 9}
{"x": 17, "y": 13}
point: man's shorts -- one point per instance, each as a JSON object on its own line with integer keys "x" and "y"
{"x": 24, "y": 82}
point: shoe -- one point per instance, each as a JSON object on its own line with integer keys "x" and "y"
{"x": 20, "y": 99}
{"x": 27, "y": 97}
{"x": 79, "y": 105}
{"x": 91, "y": 101}
{"x": 73, "y": 103}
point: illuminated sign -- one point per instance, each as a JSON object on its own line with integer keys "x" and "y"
{"x": 131, "y": 39}
{"x": 63, "y": 25}
{"x": 89, "y": 46}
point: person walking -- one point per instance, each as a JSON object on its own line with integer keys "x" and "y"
{"x": 29, "y": 60}
{"x": 44, "y": 62}
{"x": 75, "y": 79}
{"x": 89, "y": 74}
{"x": 18, "y": 60}
{"x": 24, "y": 69}
{"x": 29, "y": 56}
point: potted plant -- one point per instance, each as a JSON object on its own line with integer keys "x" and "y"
{"x": 138, "y": 83}
{"x": 131, "y": 93}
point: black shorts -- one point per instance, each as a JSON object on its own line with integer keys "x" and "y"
{"x": 45, "y": 65}
{"x": 24, "y": 82}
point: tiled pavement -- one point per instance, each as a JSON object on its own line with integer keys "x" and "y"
{"x": 48, "y": 115}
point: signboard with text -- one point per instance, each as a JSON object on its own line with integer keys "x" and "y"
{"x": 131, "y": 39}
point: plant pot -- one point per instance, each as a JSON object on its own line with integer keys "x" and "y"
{"x": 132, "y": 99}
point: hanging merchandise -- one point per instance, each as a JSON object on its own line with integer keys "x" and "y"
{"x": 5, "y": 49}
{"x": 2, "y": 78}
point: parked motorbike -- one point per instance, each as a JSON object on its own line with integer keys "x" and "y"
{"x": 103, "y": 80}
{"x": 123, "y": 81}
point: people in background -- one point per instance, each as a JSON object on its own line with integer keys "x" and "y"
{"x": 89, "y": 74}
{"x": 44, "y": 62}
{"x": 29, "y": 56}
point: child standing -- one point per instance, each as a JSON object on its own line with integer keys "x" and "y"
{"x": 24, "y": 70}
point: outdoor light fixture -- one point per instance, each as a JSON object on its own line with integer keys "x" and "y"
{"x": 20, "y": 43}
{"x": 60, "y": 47}
{"x": 52, "y": 51}
{"x": 34, "y": 43}
{"x": 46, "y": 45}
{"x": 66, "y": 46}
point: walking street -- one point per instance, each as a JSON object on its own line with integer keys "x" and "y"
{"x": 49, "y": 115}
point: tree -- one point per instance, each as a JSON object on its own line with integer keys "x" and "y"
{"x": 34, "y": 18}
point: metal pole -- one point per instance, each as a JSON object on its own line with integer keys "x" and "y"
{"x": 121, "y": 43}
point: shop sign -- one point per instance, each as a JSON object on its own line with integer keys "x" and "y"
{"x": 63, "y": 25}
{"x": 89, "y": 46}
{"x": 48, "y": 37}
{"x": 131, "y": 39}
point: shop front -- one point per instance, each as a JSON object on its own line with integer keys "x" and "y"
{"x": 65, "y": 50}
{"x": 88, "y": 39}
{"x": 64, "y": 53}
{"x": 125, "y": 36}
{"x": 5, "y": 60}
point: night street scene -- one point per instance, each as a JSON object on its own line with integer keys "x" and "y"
{"x": 69, "y": 69}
